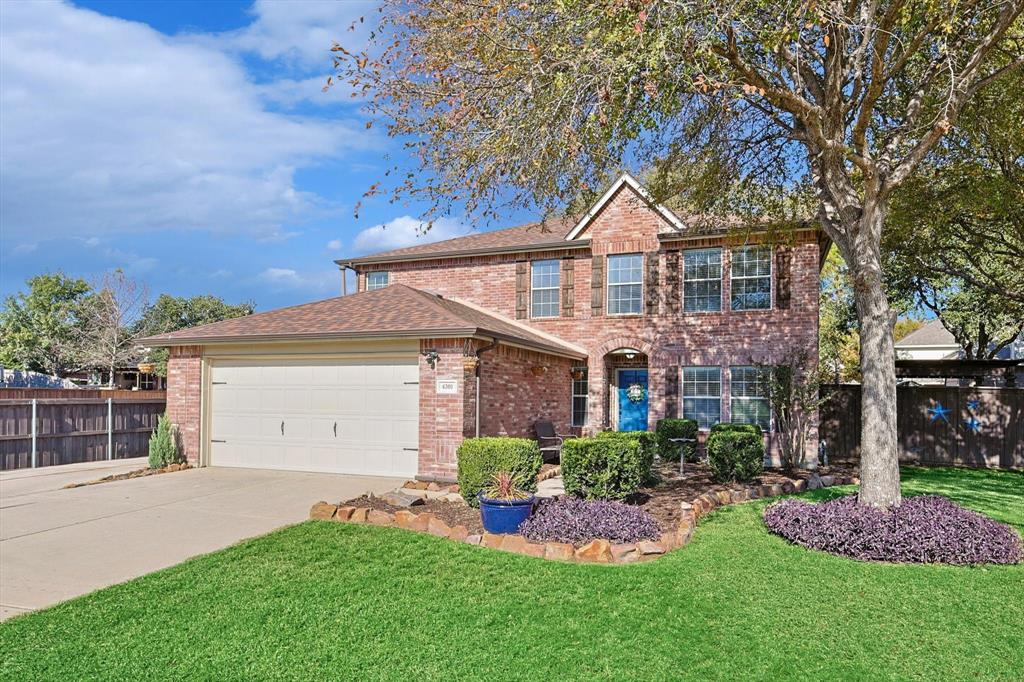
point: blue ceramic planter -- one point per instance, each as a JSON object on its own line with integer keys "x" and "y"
{"x": 501, "y": 516}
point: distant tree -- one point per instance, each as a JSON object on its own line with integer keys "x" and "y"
{"x": 525, "y": 103}
{"x": 957, "y": 240}
{"x": 40, "y": 330}
{"x": 837, "y": 316}
{"x": 171, "y": 313}
{"x": 110, "y": 317}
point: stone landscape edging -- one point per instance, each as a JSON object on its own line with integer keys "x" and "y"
{"x": 595, "y": 551}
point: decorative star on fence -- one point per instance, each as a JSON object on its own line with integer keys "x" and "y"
{"x": 939, "y": 412}
{"x": 972, "y": 424}
{"x": 972, "y": 405}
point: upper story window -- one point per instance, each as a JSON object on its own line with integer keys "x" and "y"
{"x": 702, "y": 395}
{"x": 702, "y": 280}
{"x": 544, "y": 288}
{"x": 752, "y": 278}
{"x": 748, "y": 397}
{"x": 376, "y": 280}
{"x": 625, "y": 284}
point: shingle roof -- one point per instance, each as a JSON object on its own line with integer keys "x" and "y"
{"x": 535, "y": 235}
{"x": 931, "y": 334}
{"x": 397, "y": 310}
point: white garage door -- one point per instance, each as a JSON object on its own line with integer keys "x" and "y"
{"x": 351, "y": 417}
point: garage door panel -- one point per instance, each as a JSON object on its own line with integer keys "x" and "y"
{"x": 374, "y": 405}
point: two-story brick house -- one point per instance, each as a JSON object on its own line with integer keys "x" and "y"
{"x": 614, "y": 320}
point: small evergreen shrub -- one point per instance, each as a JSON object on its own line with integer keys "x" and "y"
{"x": 923, "y": 529}
{"x": 735, "y": 455}
{"x": 646, "y": 439}
{"x": 676, "y": 428}
{"x": 481, "y": 458}
{"x": 729, "y": 427}
{"x": 163, "y": 444}
{"x": 610, "y": 466}
{"x": 576, "y": 521}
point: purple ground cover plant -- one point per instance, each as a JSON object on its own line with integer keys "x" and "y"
{"x": 576, "y": 521}
{"x": 923, "y": 529}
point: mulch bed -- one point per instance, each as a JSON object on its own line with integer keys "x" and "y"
{"x": 662, "y": 499}
{"x": 137, "y": 473}
{"x": 451, "y": 513}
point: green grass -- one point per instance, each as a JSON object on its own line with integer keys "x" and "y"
{"x": 331, "y": 601}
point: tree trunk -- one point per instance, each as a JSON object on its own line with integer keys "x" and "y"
{"x": 879, "y": 462}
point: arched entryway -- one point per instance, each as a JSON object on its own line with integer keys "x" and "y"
{"x": 629, "y": 381}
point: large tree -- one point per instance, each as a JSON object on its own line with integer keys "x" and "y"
{"x": 171, "y": 313}
{"x": 40, "y": 329}
{"x": 110, "y": 317}
{"x": 524, "y": 103}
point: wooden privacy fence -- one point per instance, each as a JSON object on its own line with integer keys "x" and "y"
{"x": 936, "y": 425}
{"x": 44, "y": 431}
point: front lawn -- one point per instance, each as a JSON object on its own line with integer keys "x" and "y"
{"x": 334, "y": 601}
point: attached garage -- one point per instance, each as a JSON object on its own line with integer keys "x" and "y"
{"x": 338, "y": 416}
{"x": 379, "y": 383}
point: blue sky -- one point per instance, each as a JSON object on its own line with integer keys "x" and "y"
{"x": 189, "y": 143}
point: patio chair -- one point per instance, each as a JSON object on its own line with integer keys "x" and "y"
{"x": 549, "y": 441}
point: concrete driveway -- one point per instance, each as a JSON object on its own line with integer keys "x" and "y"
{"x": 56, "y": 544}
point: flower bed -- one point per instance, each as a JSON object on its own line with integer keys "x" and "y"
{"x": 923, "y": 529}
{"x": 576, "y": 521}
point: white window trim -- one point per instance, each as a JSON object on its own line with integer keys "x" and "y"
{"x": 558, "y": 287}
{"x": 721, "y": 285}
{"x": 771, "y": 279}
{"x": 608, "y": 285}
{"x": 387, "y": 279}
{"x": 683, "y": 396}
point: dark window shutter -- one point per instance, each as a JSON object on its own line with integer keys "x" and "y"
{"x": 522, "y": 289}
{"x": 672, "y": 392}
{"x": 673, "y": 289}
{"x": 568, "y": 287}
{"x": 783, "y": 277}
{"x": 652, "y": 288}
{"x": 597, "y": 286}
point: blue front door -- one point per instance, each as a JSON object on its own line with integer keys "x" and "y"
{"x": 632, "y": 415}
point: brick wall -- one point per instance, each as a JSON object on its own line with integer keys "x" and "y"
{"x": 670, "y": 339}
{"x": 521, "y": 387}
{"x": 184, "y": 391}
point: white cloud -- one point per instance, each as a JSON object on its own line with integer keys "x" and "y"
{"x": 334, "y": 245}
{"x": 406, "y": 231}
{"x": 288, "y": 279}
{"x": 111, "y": 126}
{"x": 301, "y": 30}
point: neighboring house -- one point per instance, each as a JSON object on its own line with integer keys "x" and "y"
{"x": 612, "y": 321}
{"x": 125, "y": 378}
{"x": 16, "y": 378}
{"x": 934, "y": 342}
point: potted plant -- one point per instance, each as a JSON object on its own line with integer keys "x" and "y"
{"x": 504, "y": 505}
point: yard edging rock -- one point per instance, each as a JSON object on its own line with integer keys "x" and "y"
{"x": 600, "y": 550}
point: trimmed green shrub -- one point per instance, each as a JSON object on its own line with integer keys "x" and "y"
{"x": 163, "y": 444}
{"x": 735, "y": 455}
{"x": 736, "y": 428}
{"x": 611, "y": 466}
{"x": 676, "y": 428}
{"x": 481, "y": 458}
{"x": 645, "y": 438}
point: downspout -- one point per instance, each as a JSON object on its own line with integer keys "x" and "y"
{"x": 480, "y": 351}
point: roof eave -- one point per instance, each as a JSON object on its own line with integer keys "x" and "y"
{"x": 462, "y": 253}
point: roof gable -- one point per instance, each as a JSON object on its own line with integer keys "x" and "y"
{"x": 625, "y": 180}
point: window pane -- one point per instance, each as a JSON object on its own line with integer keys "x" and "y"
{"x": 702, "y": 390}
{"x": 579, "y": 399}
{"x": 544, "y": 285}
{"x": 749, "y": 402}
{"x": 625, "y": 284}
{"x": 702, "y": 280}
{"x": 376, "y": 280}
{"x": 751, "y": 278}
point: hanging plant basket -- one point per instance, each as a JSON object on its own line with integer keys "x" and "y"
{"x": 147, "y": 367}
{"x": 577, "y": 373}
{"x": 636, "y": 393}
